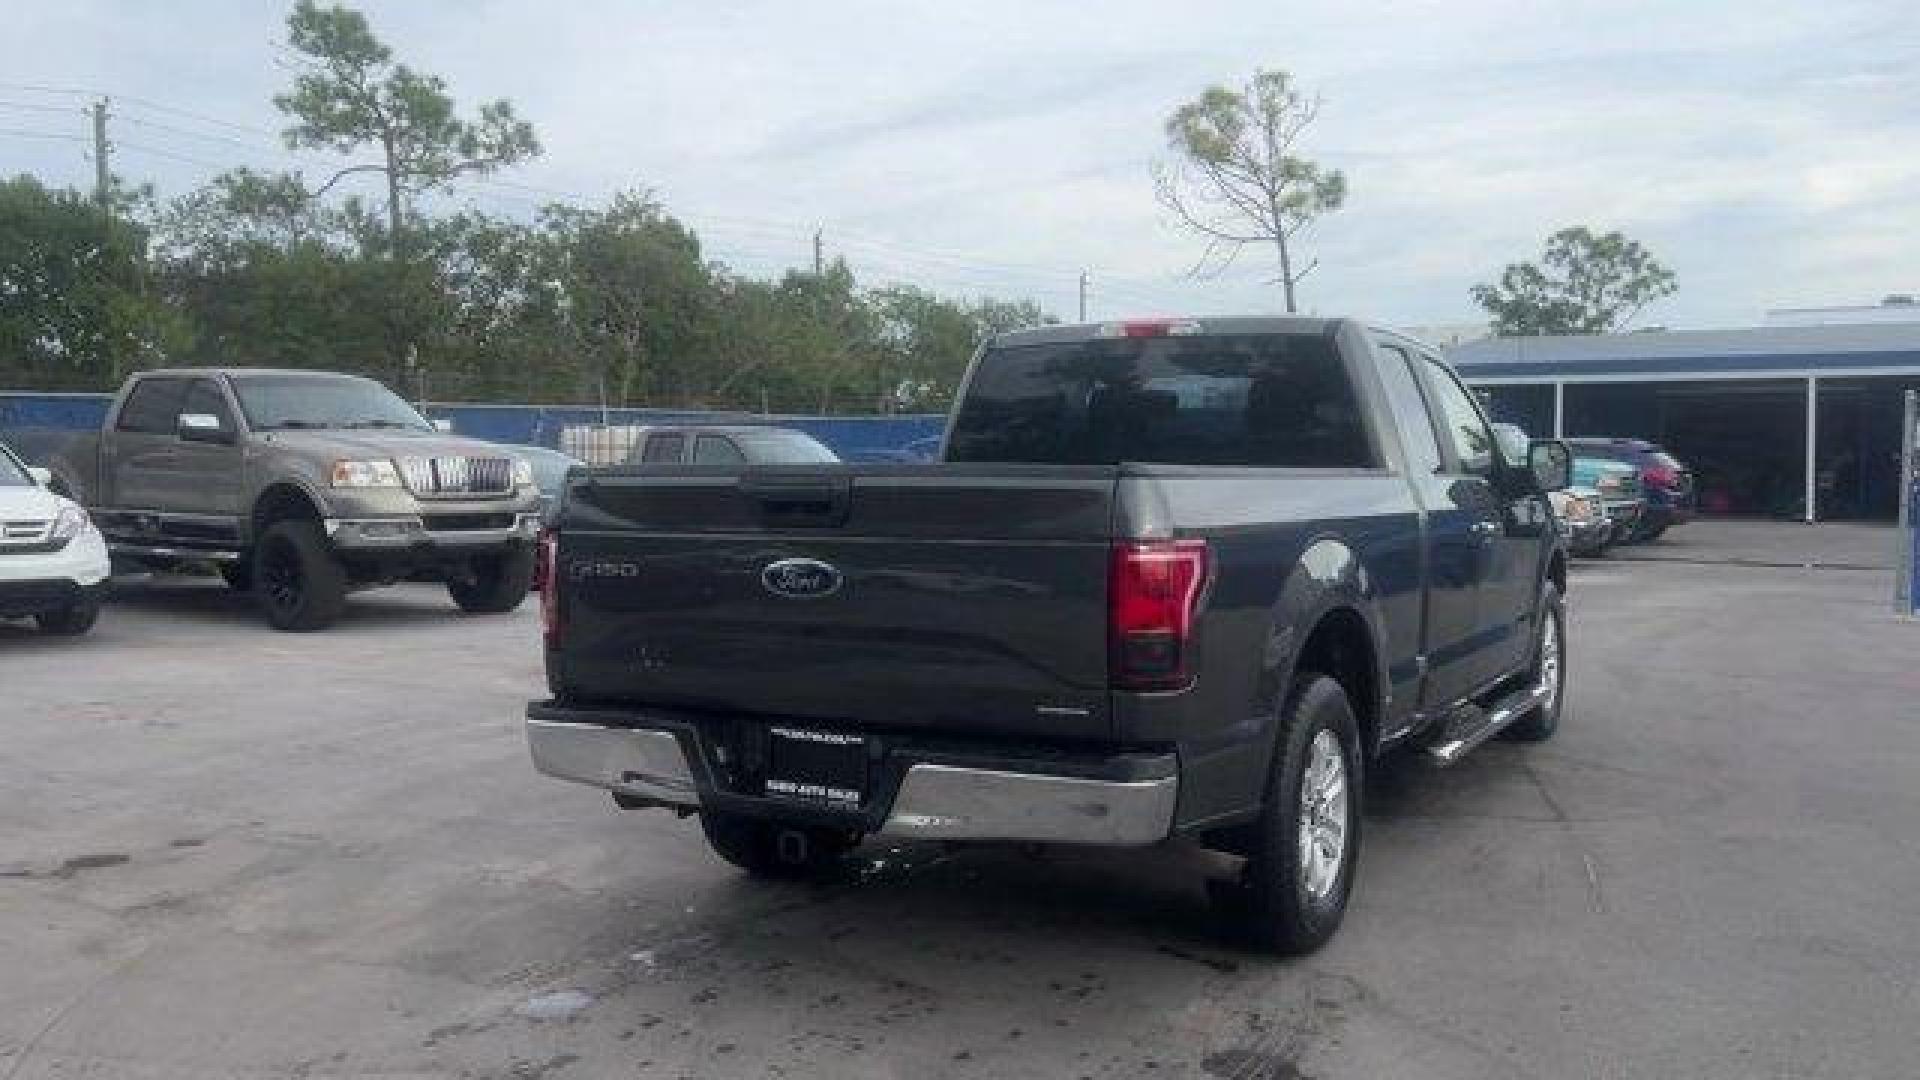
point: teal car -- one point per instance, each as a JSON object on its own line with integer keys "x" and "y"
{"x": 1619, "y": 486}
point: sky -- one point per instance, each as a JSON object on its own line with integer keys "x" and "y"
{"x": 1769, "y": 153}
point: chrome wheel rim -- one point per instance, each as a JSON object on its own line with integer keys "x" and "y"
{"x": 1323, "y": 816}
{"x": 1550, "y": 661}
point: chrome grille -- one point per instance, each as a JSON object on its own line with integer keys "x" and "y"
{"x": 458, "y": 475}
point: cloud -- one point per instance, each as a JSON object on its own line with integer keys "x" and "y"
{"x": 1765, "y": 151}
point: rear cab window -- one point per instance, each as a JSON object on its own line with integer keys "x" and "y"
{"x": 1262, "y": 400}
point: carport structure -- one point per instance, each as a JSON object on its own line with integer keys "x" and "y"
{"x": 1787, "y": 421}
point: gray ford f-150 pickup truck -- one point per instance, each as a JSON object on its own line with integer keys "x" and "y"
{"x": 1169, "y": 579}
{"x": 302, "y": 486}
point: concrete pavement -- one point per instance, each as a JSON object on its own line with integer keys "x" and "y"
{"x": 226, "y": 852}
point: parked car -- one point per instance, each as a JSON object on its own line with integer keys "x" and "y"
{"x": 1667, "y": 484}
{"x": 736, "y": 444}
{"x": 1583, "y": 520}
{"x": 549, "y": 471}
{"x": 302, "y": 486}
{"x": 1617, "y": 485}
{"x": 53, "y": 562}
{"x": 1172, "y": 579}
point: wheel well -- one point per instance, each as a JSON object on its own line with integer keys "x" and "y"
{"x": 1341, "y": 648}
{"x": 278, "y": 503}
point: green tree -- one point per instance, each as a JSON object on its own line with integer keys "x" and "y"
{"x": 1235, "y": 179}
{"x": 629, "y": 287}
{"x": 76, "y": 309}
{"x": 354, "y": 96}
{"x": 1585, "y": 283}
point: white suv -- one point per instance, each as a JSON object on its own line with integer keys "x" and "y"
{"x": 53, "y": 562}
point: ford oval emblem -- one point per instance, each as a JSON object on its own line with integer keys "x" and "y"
{"x": 801, "y": 579}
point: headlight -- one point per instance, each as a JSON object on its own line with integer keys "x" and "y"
{"x": 522, "y": 473}
{"x": 71, "y": 522}
{"x": 365, "y": 474}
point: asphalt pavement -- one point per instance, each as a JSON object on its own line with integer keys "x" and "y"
{"x": 226, "y": 852}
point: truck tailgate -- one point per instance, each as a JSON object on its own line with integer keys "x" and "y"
{"x": 962, "y": 598}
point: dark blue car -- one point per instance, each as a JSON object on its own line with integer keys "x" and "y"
{"x": 1667, "y": 483}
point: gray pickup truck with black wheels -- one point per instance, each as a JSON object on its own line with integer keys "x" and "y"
{"x": 1169, "y": 579}
{"x": 301, "y": 487}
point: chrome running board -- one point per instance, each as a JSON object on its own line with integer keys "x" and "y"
{"x": 1475, "y": 725}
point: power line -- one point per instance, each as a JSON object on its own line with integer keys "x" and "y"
{"x": 921, "y": 260}
{"x": 170, "y": 155}
{"x": 16, "y": 133}
{"x": 30, "y": 106}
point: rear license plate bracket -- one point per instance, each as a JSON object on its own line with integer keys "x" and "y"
{"x": 825, "y": 768}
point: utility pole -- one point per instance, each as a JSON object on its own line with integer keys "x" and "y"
{"x": 819, "y": 260}
{"x": 1083, "y": 296}
{"x": 102, "y": 176}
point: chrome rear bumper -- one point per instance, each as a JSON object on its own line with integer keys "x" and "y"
{"x": 935, "y": 801}
{"x": 640, "y": 763}
{"x": 950, "y": 803}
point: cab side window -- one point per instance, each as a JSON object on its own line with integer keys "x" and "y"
{"x": 666, "y": 447}
{"x": 1465, "y": 428}
{"x": 204, "y": 398}
{"x": 153, "y": 408}
{"x": 717, "y": 450}
{"x": 1409, "y": 407}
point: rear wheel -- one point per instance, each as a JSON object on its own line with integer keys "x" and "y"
{"x": 1549, "y": 671}
{"x": 69, "y": 621}
{"x": 493, "y": 584}
{"x": 775, "y": 849}
{"x": 300, "y": 585}
{"x": 1300, "y": 856}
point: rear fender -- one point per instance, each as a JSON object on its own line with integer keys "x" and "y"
{"x": 1329, "y": 576}
{"x": 1225, "y": 774}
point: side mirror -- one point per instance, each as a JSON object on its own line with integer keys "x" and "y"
{"x": 1551, "y": 462}
{"x": 43, "y": 477}
{"x": 203, "y": 428}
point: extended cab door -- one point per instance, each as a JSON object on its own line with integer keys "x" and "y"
{"x": 1453, "y": 555}
{"x": 204, "y": 488}
{"x": 1479, "y": 645}
{"x": 139, "y": 452}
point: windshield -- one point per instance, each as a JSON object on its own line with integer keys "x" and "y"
{"x": 12, "y": 473}
{"x": 283, "y": 402}
{"x": 774, "y": 446}
{"x": 1280, "y": 400}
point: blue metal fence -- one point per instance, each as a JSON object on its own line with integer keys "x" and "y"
{"x": 35, "y": 424}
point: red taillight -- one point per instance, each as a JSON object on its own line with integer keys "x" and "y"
{"x": 1660, "y": 476}
{"x": 1153, "y": 594}
{"x": 545, "y": 575}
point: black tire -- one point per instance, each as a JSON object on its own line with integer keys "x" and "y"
{"x": 1285, "y": 901}
{"x": 1540, "y": 724}
{"x": 69, "y": 621}
{"x": 237, "y": 575}
{"x": 301, "y": 586}
{"x": 1653, "y": 534}
{"x": 493, "y": 584}
{"x": 774, "y": 849}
